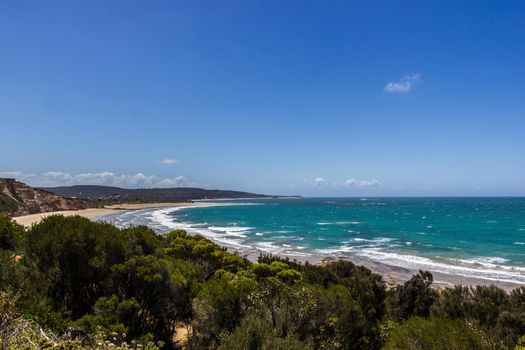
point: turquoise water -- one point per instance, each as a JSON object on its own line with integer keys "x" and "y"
{"x": 477, "y": 237}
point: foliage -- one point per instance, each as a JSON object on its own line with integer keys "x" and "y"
{"x": 521, "y": 344}
{"x": 69, "y": 283}
{"x": 10, "y": 233}
{"x": 256, "y": 333}
{"x": 416, "y": 296}
{"x": 7, "y": 204}
{"x": 434, "y": 333}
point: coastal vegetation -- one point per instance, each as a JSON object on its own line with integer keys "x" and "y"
{"x": 70, "y": 283}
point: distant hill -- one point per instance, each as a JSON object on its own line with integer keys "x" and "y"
{"x": 17, "y": 198}
{"x": 117, "y": 194}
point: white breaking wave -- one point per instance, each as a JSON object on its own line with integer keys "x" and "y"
{"x": 230, "y": 236}
{"x": 482, "y": 267}
{"x": 231, "y": 230}
{"x": 485, "y": 260}
{"x": 284, "y": 249}
{"x": 488, "y": 268}
{"x": 339, "y": 223}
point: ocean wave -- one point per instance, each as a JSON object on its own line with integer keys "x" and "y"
{"x": 338, "y": 250}
{"x": 231, "y": 230}
{"x": 289, "y": 238}
{"x": 339, "y": 223}
{"x": 379, "y": 249}
{"x": 283, "y": 249}
{"x": 485, "y": 260}
{"x": 486, "y": 268}
{"x": 374, "y": 240}
{"x": 162, "y": 221}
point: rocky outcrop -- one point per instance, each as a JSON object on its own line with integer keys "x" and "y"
{"x": 17, "y": 198}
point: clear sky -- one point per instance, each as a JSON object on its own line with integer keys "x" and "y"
{"x": 284, "y": 97}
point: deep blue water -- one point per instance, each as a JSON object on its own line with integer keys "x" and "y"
{"x": 478, "y": 237}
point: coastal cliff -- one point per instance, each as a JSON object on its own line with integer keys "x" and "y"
{"x": 17, "y": 198}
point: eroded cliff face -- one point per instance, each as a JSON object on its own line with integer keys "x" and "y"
{"x": 17, "y": 198}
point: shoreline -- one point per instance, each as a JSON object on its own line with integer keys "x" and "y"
{"x": 92, "y": 213}
{"x": 392, "y": 275}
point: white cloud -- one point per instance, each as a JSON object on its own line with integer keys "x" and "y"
{"x": 168, "y": 161}
{"x": 405, "y": 84}
{"x": 367, "y": 183}
{"x": 352, "y": 182}
{"x": 318, "y": 181}
{"x": 59, "y": 178}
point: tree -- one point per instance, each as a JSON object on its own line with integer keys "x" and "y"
{"x": 436, "y": 334}
{"x": 219, "y": 307}
{"x": 10, "y": 233}
{"x": 255, "y": 333}
{"x": 159, "y": 288}
{"x": 416, "y": 296}
{"x": 451, "y": 303}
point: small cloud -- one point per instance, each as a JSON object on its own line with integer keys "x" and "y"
{"x": 318, "y": 181}
{"x": 405, "y": 84}
{"x": 168, "y": 161}
{"x": 351, "y": 182}
{"x": 368, "y": 183}
{"x": 360, "y": 183}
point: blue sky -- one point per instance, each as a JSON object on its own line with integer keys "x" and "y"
{"x": 290, "y": 97}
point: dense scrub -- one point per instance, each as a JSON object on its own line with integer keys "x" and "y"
{"x": 69, "y": 283}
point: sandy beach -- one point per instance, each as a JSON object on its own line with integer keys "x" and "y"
{"x": 28, "y": 220}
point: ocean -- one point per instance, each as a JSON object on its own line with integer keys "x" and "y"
{"x": 483, "y": 238}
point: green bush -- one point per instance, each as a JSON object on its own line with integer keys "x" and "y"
{"x": 436, "y": 334}
{"x": 131, "y": 288}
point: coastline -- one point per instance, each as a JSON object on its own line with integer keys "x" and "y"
{"x": 92, "y": 213}
{"x": 392, "y": 275}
